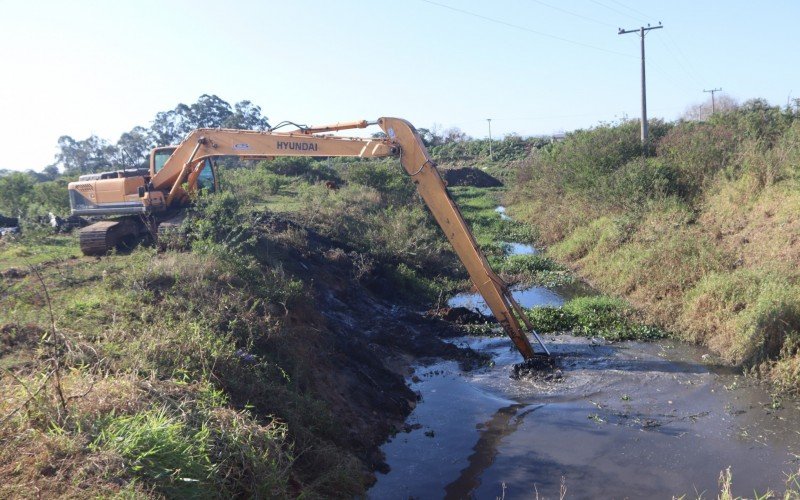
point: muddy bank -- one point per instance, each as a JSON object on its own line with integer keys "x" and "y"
{"x": 362, "y": 344}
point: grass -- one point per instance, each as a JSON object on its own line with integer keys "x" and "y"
{"x": 478, "y": 206}
{"x": 750, "y": 313}
{"x": 160, "y": 449}
{"x": 532, "y": 269}
{"x": 176, "y": 327}
{"x": 37, "y": 248}
{"x": 791, "y": 490}
{"x": 700, "y": 235}
{"x": 206, "y": 372}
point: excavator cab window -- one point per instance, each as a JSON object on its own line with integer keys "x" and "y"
{"x": 207, "y": 178}
{"x": 160, "y": 157}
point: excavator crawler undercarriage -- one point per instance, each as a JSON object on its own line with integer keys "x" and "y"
{"x": 102, "y": 237}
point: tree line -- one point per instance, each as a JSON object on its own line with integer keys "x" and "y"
{"x": 131, "y": 150}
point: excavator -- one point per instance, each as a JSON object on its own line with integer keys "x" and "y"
{"x": 144, "y": 200}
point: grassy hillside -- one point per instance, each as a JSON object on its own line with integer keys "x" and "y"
{"x": 263, "y": 355}
{"x": 701, "y": 234}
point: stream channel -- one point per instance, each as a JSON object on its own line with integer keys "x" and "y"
{"x": 627, "y": 420}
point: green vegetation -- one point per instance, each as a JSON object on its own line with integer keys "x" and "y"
{"x": 596, "y": 316}
{"x": 38, "y": 246}
{"x": 22, "y": 194}
{"x": 700, "y": 234}
{"x": 507, "y": 154}
{"x": 210, "y": 371}
{"x": 478, "y": 206}
{"x": 532, "y": 269}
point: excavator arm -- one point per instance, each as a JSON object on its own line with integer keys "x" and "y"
{"x": 402, "y": 140}
{"x": 421, "y": 168}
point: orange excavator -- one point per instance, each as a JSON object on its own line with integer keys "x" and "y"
{"x": 154, "y": 197}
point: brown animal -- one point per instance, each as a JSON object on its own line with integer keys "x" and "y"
{"x": 331, "y": 185}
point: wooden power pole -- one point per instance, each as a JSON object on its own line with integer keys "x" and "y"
{"x": 642, "y": 32}
{"x": 713, "y": 105}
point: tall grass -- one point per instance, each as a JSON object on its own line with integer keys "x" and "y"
{"x": 700, "y": 233}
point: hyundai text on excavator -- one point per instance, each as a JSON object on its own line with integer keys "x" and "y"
{"x": 154, "y": 197}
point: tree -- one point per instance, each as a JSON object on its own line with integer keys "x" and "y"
{"x": 14, "y": 191}
{"x": 246, "y": 116}
{"x": 170, "y": 127}
{"x": 209, "y": 112}
{"x": 86, "y": 156}
{"x": 50, "y": 172}
{"x": 133, "y": 148}
{"x": 454, "y": 134}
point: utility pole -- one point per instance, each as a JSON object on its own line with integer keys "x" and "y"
{"x": 713, "y": 105}
{"x": 642, "y": 32}
{"x": 490, "y": 139}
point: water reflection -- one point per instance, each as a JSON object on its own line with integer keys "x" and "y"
{"x": 503, "y": 423}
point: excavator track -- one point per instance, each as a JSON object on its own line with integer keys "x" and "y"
{"x": 169, "y": 235}
{"x": 102, "y": 237}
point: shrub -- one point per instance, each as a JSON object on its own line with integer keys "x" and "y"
{"x": 307, "y": 168}
{"x": 635, "y": 184}
{"x": 388, "y": 178}
{"x": 696, "y": 153}
{"x": 251, "y": 185}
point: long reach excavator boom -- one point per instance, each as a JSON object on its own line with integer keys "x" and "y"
{"x": 175, "y": 170}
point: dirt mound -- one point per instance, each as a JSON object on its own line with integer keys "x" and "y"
{"x": 469, "y": 176}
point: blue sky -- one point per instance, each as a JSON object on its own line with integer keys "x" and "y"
{"x": 534, "y": 67}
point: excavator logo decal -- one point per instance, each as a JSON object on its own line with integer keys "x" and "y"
{"x": 297, "y": 146}
{"x": 241, "y": 146}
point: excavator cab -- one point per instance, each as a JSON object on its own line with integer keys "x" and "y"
{"x": 206, "y": 181}
{"x": 158, "y": 157}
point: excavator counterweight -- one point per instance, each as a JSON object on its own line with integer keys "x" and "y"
{"x": 159, "y": 194}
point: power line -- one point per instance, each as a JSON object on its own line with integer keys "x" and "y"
{"x": 682, "y": 54}
{"x": 615, "y": 10}
{"x": 685, "y": 69}
{"x": 575, "y": 14}
{"x": 669, "y": 43}
{"x": 645, "y": 17}
{"x": 523, "y": 28}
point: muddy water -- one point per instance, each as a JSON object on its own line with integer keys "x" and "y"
{"x": 626, "y": 420}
